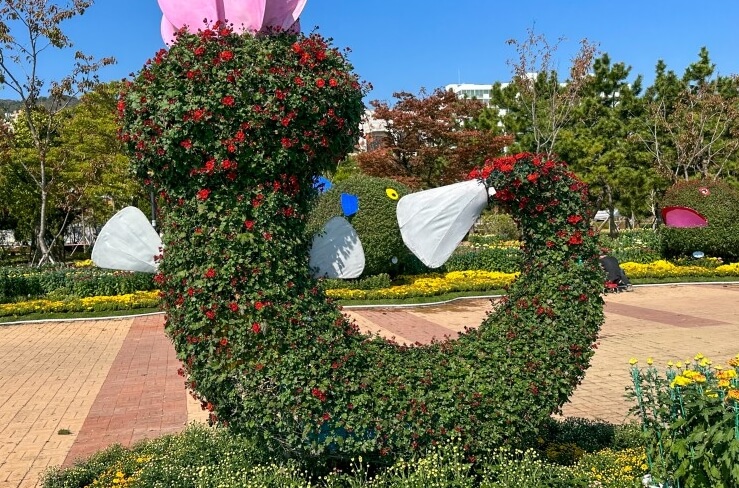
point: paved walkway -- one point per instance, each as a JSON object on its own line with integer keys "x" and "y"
{"x": 108, "y": 381}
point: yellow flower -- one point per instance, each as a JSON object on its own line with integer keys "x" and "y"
{"x": 733, "y": 394}
{"x": 698, "y": 357}
{"x": 650, "y": 361}
{"x": 680, "y": 381}
{"x": 670, "y": 364}
{"x": 726, "y": 374}
{"x": 633, "y": 361}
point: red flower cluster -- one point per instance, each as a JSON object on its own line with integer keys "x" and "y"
{"x": 203, "y": 194}
{"x": 575, "y": 239}
{"x": 321, "y": 395}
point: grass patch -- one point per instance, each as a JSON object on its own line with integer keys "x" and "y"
{"x": 423, "y": 300}
{"x": 683, "y": 279}
{"x": 77, "y": 315}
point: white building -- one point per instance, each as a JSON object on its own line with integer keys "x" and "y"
{"x": 374, "y": 131}
{"x": 470, "y": 90}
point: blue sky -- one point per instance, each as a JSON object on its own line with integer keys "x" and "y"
{"x": 403, "y": 45}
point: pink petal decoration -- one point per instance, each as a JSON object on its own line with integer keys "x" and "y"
{"x": 295, "y": 28}
{"x": 682, "y": 217}
{"x": 245, "y": 15}
{"x": 282, "y": 14}
{"x": 168, "y": 31}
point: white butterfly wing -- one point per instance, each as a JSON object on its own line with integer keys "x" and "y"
{"x": 434, "y": 222}
{"x": 337, "y": 251}
{"x": 127, "y": 242}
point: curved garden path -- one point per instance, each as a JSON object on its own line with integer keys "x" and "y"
{"x": 111, "y": 381}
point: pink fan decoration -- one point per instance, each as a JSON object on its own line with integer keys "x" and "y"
{"x": 254, "y": 16}
{"x": 682, "y": 217}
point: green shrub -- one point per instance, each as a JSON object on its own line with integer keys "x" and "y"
{"x": 376, "y": 222}
{"x": 588, "y": 435}
{"x": 369, "y": 283}
{"x": 61, "y": 282}
{"x": 484, "y": 258}
{"x": 497, "y": 224}
{"x": 719, "y": 203}
{"x": 263, "y": 348}
{"x": 690, "y": 414}
{"x": 634, "y": 245}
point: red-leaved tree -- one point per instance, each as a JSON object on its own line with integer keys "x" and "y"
{"x": 431, "y": 139}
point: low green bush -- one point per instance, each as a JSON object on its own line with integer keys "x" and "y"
{"x": 587, "y": 435}
{"x": 203, "y": 456}
{"x": 485, "y": 258}
{"x": 690, "y": 415}
{"x": 497, "y": 224}
{"x": 634, "y": 245}
{"x": 375, "y": 282}
{"x": 62, "y": 282}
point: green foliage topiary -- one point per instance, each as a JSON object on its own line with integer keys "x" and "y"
{"x": 375, "y": 222}
{"x": 232, "y": 129}
{"x": 719, "y": 203}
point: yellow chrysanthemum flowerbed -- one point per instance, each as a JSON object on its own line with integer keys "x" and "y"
{"x": 665, "y": 269}
{"x": 131, "y": 301}
{"x": 432, "y": 285}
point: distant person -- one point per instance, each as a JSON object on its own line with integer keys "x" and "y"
{"x": 615, "y": 275}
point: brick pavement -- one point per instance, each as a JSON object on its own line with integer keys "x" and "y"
{"x": 50, "y": 375}
{"x": 115, "y": 380}
{"x": 143, "y": 396}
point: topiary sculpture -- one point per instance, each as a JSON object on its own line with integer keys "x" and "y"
{"x": 375, "y": 222}
{"x": 715, "y": 201}
{"x": 232, "y": 129}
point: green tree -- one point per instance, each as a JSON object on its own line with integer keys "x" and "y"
{"x": 432, "y": 139}
{"x": 97, "y": 170}
{"x": 38, "y": 22}
{"x": 692, "y": 124}
{"x": 536, "y": 106}
{"x": 598, "y": 146}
